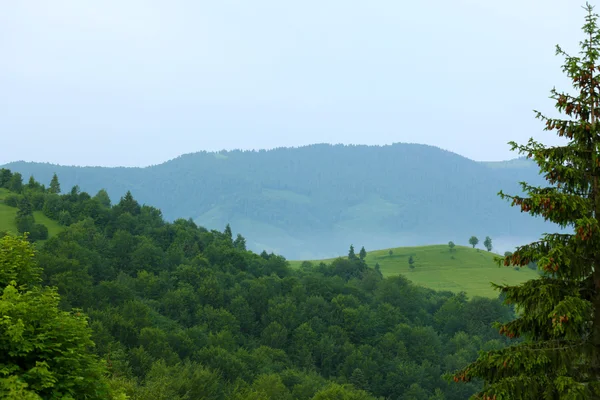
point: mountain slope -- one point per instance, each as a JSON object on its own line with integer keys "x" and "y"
{"x": 307, "y": 202}
{"x": 8, "y": 214}
{"x": 436, "y": 267}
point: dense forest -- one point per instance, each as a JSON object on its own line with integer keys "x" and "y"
{"x": 310, "y": 202}
{"x": 123, "y": 303}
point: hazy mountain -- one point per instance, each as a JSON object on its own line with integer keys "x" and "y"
{"x": 311, "y": 201}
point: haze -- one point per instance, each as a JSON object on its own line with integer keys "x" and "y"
{"x": 135, "y": 83}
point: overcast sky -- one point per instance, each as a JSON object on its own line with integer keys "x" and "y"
{"x": 138, "y": 82}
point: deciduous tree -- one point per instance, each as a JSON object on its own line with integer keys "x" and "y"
{"x": 473, "y": 241}
{"x": 44, "y": 352}
{"x": 487, "y": 243}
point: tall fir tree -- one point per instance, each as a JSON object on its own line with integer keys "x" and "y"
{"x": 559, "y": 313}
{"x": 351, "y": 253}
{"x": 228, "y": 233}
{"x": 362, "y": 254}
{"x": 54, "y": 185}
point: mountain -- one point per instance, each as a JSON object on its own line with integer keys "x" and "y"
{"x": 312, "y": 202}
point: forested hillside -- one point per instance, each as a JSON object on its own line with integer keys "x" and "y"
{"x": 181, "y": 312}
{"x": 310, "y": 202}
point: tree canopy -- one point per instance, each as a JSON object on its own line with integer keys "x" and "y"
{"x": 177, "y": 311}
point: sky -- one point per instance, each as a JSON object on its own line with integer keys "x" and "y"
{"x": 139, "y": 82}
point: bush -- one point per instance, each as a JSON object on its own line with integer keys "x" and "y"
{"x": 12, "y": 200}
{"x": 37, "y": 200}
{"x": 40, "y": 232}
{"x": 25, "y": 223}
{"x": 64, "y": 218}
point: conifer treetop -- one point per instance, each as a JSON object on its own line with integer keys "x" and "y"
{"x": 558, "y": 356}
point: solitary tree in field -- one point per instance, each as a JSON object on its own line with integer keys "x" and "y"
{"x": 411, "y": 262}
{"x": 559, "y": 313}
{"x": 451, "y": 245}
{"x": 473, "y": 241}
{"x": 390, "y": 252}
{"x": 487, "y": 243}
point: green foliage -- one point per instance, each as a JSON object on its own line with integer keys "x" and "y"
{"x": 363, "y": 253}
{"x": 351, "y": 254}
{"x": 178, "y": 311}
{"x": 487, "y": 243}
{"x": 103, "y": 198}
{"x": 451, "y": 245}
{"x": 54, "y": 185}
{"x": 473, "y": 241}
{"x": 239, "y": 242}
{"x": 559, "y": 313}
{"x": 5, "y": 177}
{"x": 44, "y": 352}
{"x": 8, "y": 223}
{"x": 64, "y": 218}
{"x": 12, "y": 200}
{"x": 15, "y": 184}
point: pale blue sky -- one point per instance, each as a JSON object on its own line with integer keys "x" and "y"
{"x": 138, "y": 82}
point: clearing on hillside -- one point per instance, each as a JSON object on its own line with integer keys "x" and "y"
{"x": 8, "y": 214}
{"x": 436, "y": 267}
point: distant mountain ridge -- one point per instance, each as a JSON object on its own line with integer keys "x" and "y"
{"x": 313, "y": 201}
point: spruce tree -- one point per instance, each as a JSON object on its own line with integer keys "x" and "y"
{"x": 351, "y": 254}
{"x": 54, "y": 185}
{"x": 559, "y": 312}
{"x": 228, "y": 233}
{"x": 362, "y": 254}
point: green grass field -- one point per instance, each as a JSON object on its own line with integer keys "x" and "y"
{"x": 7, "y": 218}
{"x": 464, "y": 269}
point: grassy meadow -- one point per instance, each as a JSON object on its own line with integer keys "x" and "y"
{"x": 7, "y": 218}
{"x": 436, "y": 267}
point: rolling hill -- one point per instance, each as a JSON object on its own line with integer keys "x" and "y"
{"x": 464, "y": 269}
{"x": 314, "y": 201}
